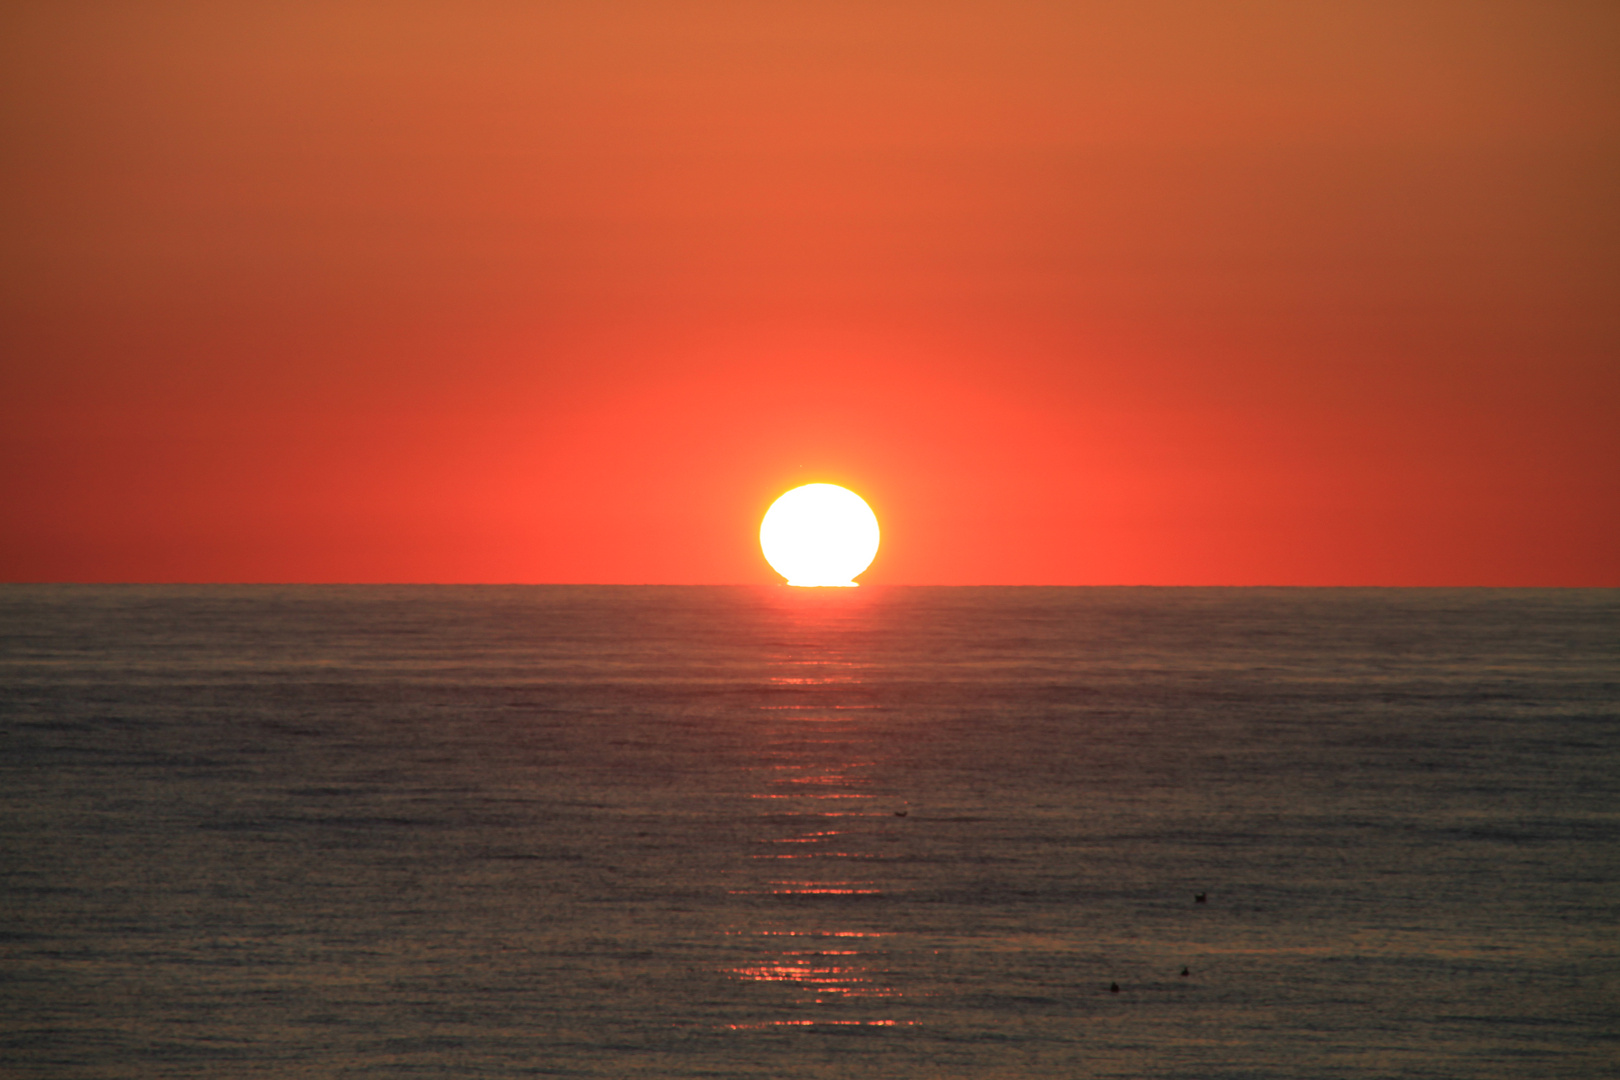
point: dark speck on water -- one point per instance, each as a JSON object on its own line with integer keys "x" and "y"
{"x": 652, "y": 832}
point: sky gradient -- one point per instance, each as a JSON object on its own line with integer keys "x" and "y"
{"x": 1286, "y": 293}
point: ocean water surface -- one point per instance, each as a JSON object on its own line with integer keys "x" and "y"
{"x": 757, "y": 832}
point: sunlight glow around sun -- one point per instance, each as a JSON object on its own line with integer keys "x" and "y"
{"x": 819, "y": 534}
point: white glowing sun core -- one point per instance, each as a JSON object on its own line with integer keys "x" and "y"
{"x": 819, "y": 534}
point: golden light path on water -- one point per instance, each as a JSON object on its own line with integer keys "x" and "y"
{"x": 816, "y": 778}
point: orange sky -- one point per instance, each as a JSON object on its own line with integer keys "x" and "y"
{"x": 1183, "y": 293}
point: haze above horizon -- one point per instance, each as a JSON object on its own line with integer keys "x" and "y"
{"x": 1071, "y": 294}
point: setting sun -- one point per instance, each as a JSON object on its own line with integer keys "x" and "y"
{"x": 819, "y": 534}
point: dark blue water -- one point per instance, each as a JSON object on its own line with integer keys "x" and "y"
{"x": 717, "y": 832}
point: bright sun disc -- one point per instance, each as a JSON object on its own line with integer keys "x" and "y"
{"x": 819, "y": 534}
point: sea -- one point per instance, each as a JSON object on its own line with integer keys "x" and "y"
{"x": 884, "y": 832}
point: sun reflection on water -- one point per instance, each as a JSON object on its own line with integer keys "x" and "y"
{"x": 823, "y": 802}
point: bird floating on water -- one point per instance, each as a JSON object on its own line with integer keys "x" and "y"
{"x": 1199, "y": 898}
{"x": 1113, "y": 988}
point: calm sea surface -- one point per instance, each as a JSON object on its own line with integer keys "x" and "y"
{"x": 735, "y": 832}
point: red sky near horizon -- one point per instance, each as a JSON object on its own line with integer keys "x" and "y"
{"x": 1159, "y": 293}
